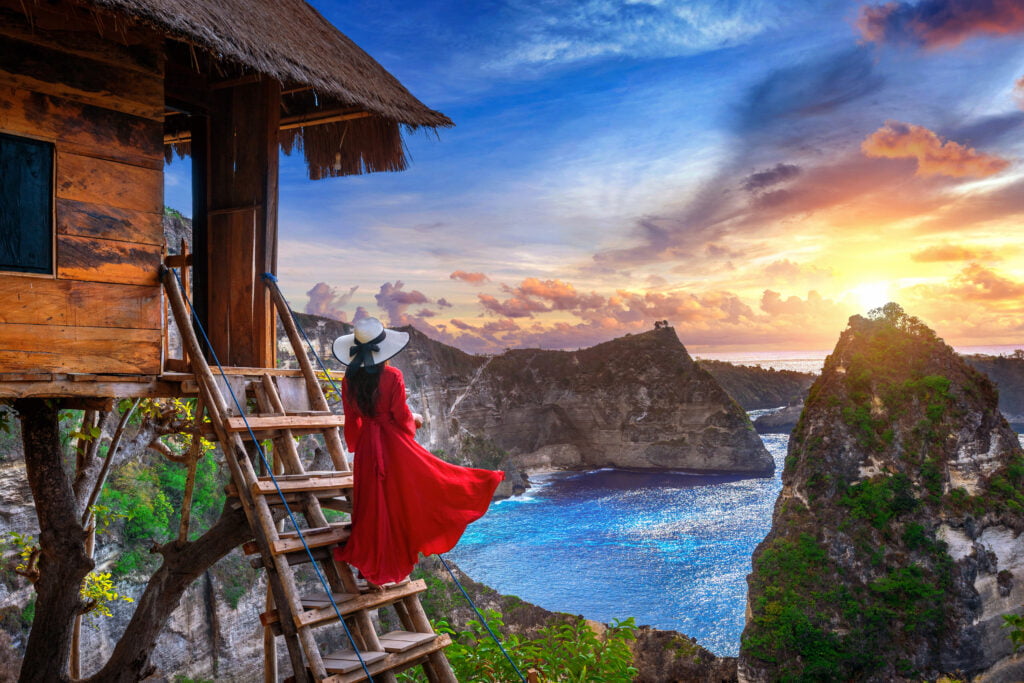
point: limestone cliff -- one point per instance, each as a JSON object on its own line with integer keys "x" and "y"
{"x": 1007, "y": 373}
{"x": 896, "y": 543}
{"x": 637, "y": 401}
{"x": 754, "y": 387}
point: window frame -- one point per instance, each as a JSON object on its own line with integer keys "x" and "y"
{"x": 52, "y": 212}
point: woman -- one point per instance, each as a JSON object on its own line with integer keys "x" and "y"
{"x": 405, "y": 500}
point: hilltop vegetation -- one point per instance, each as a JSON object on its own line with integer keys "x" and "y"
{"x": 900, "y": 452}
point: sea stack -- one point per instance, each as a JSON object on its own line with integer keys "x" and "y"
{"x": 639, "y": 401}
{"x": 895, "y": 547}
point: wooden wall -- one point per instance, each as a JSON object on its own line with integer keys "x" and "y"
{"x": 101, "y": 102}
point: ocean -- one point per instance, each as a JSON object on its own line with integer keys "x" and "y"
{"x": 670, "y": 549}
{"x": 812, "y": 361}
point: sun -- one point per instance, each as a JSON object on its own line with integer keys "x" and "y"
{"x": 871, "y": 295}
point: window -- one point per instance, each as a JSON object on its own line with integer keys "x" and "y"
{"x": 26, "y": 205}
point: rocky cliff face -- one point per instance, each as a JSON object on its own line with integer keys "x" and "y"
{"x": 755, "y": 388}
{"x": 1007, "y": 373}
{"x": 637, "y": 401}
{"x": 896, "y": 543}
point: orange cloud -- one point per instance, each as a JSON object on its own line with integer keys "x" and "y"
{"x": 951, "y": 252}
{"x": 897, "y": 140}
{"x": 1018, "y": 91}
{"x": 978, "y": 283}
{"x": 472, "y": 278}
{"x": 939, "y": 23}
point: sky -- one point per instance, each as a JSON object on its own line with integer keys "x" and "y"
{"x": 752, "y": 171}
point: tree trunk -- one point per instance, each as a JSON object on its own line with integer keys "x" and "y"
{"x": 182, "y": 565}
{"x": 63, "y": 561}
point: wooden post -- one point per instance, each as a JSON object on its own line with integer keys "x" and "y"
{"x": 241, "y": 225}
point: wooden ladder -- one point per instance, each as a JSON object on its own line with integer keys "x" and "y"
{"x": 290, "y": 612}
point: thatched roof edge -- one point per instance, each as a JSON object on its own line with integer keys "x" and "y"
{"x": 287, "y": 40}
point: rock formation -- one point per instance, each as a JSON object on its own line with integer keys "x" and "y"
{"x": 895, "y": 546}
{"x": 781, "y": 421}
{"x": 1007, "y": 373}
{"x": 755, "y": 388}
{"x": 637, "y": 401}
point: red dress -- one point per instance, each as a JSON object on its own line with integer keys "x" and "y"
{"x": 405, "y": 500}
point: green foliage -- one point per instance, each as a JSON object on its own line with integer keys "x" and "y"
{"x": 28, "y": 614}
{"x": 481, "y": 452}
{"x": 569, "y": 652}
{"x": 173, "y": 213}
{"x": 135, "y": 492}
{"x": 880, "y": 499}
{"x": 1015, "y": 623}
{"x": 909, "y": 594}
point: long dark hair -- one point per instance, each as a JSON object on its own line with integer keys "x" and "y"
{"x": 365, "y": 388}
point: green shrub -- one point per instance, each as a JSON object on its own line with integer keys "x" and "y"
{"x": 560, "y": 652}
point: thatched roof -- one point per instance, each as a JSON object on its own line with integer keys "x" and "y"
{"x": 289, "y": 40}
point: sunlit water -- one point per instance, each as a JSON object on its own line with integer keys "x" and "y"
{"x": 812, "y": 361}
{"x": 672, "y": 550}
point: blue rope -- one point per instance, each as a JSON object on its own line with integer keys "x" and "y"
{"x": 270, "y": 470}
{"x": 271, "y": 278}
{"x": 480, "y": 616}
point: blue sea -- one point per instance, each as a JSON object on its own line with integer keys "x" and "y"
{"x": 670, "y": 549}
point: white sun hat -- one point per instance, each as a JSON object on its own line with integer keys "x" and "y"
{"x": 370, "y": 344}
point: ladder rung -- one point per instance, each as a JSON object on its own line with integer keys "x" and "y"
{"x": 322, "y": 615}
{"x": 238, "y": 424}
{"x": 315, "y": 538}
{"x": 346, "y": 661}
{"x": 393, "y": 662}
{"x": 296, "y": 557}
{"x": 401, "y": 641}
{"x": 300, "y": 483}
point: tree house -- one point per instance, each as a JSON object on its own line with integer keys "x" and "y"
{"x": 94, "y": 96}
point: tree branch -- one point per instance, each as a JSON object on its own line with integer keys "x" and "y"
{"x": 183, "y": 563}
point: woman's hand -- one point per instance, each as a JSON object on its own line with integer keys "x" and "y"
{"x": 417, "y": 419}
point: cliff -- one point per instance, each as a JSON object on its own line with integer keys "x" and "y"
{"x": 637, "y": 401}
{"x": 659, "y": 656}
{"x": 756, "y": 388}
{"x": 1007, "y": 373}
{"x": 895, "y": 546}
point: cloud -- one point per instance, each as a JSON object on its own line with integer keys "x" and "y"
{"x": 443, "y": 303}
{"x": 811, "y": 88}
{"x": 1018, "y": 91}
{"x": 426, "y": 313}
{"x": 784, "y": 269}
{"x": 939, "y": 23}
{"x": 395, "y": 301}
{"x": 325, "y": 301}
{"x": 514, "y": 307}
{"x": 813, "y": 306}
{"x": 940, "y": 253}
{"x": 761, "y": 180}
{"x": 896, "y": 140}
{"x": 360, "y": 314}
{"x": 472, "y": 278}
{"x": 977, "y": 283}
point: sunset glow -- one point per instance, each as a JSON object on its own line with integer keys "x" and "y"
{"x": 752, "y": 172}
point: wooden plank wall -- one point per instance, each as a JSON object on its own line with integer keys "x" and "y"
{"x": 100, "y": 100}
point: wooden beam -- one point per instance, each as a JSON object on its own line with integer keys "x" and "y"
{"x": 292, "y": 122}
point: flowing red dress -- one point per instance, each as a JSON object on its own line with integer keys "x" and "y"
{"x": 405, "y": 500}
